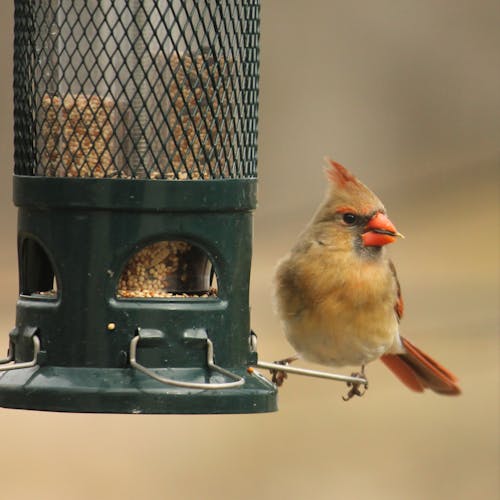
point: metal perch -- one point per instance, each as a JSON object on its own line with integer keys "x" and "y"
{"x": 310, "y": 373}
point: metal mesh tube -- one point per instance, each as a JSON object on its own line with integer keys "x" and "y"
{"x": 139, "y": 89}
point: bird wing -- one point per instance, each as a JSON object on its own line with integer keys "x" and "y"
{"x": 399, "y": 305}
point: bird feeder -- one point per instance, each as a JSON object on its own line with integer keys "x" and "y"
{"x": 135, "y": 178}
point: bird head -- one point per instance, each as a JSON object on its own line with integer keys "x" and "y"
{"x": 353, "y": 211}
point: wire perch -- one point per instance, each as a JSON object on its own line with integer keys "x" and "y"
{"x": 311, "y": 373}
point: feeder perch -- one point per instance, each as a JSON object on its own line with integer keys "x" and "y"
{"x": 135, "y": 178}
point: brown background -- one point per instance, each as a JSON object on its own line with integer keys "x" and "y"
{"x": 406, "y": 94}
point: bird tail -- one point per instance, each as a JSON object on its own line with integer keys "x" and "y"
{"x": 418, "y": 371}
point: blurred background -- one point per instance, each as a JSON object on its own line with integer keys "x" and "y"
{"x": 406, "y": 95}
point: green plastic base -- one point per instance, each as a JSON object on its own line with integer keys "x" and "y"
{"x": 115, "y": 390}
{"x": 82, "y": 233}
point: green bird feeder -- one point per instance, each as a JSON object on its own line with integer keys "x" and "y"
{"x": 135, "y": 178}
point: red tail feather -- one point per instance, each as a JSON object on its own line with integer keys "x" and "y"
{"x": 418, "y": 371}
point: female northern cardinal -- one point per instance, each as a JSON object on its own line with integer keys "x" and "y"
{"x": 338, "y": 294}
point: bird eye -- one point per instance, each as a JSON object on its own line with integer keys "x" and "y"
{"x": 349, "y": 218}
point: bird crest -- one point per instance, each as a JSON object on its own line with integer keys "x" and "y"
{"x": 338, "y": 174}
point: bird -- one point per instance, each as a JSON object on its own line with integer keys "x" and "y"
{"x": 338, "y": 295}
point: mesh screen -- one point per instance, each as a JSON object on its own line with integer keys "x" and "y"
{"x": 148, "y": 89}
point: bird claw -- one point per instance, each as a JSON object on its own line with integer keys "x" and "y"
{"x": 355, "y": 387}
{"x": 279, "y": 376}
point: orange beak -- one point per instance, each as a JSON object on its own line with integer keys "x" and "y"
{"x": 379, "y": 231}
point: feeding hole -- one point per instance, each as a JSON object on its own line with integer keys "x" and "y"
{"x": 168, "y": 269}
{"x": 37, "y": 277}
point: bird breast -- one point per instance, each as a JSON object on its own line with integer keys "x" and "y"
{"x": 337, "y": 310}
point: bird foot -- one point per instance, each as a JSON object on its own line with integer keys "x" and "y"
{"x": 355, "y": 387}
{"x": 279, "y": 376}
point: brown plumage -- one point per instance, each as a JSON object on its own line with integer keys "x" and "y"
{"x": 337, "y": 292}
